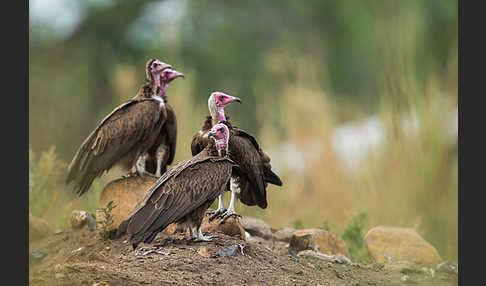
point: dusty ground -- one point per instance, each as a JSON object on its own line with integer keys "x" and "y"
{"x": 81, "y": 257}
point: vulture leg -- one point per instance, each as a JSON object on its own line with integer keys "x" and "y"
{"x": 220, "y": 209}
{"x": 235, "y": 188}
{"x": 201, "y": 236}
{"x": 192, "y": 232}
{"x": 140, "y": 165}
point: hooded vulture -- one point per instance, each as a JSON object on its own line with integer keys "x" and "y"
{"x": 183, "y": 193}
{"x": 128, "y": 132}
{"x": 249, "y": 180}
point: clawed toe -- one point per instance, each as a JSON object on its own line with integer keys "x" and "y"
{"x": 227, "y": 215}
{"x": 216, "y": 214}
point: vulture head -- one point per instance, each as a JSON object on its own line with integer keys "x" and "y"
{"x": 216, "y": 102}
{"x": 220, "y": 135}
{"x": 153, "y": 70}
{"x": 169, "y": 75}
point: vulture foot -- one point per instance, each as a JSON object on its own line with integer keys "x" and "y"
{"x": 205, "y": 238}
{"x": 215, "y": 214}
{"x": 229, "y": 214}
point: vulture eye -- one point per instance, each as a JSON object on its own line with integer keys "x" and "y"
{"x": 155, "y": 65}
{"x": 166, "y": 74}
{"x": 221, "y": 130}
{"x": 221, "y": 98}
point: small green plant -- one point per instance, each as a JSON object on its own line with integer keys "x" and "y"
{"x": 298, "y": 224}
{"x": 326, "y": 225}
{"x": 353, "y": 236}
{"x": 104, "y": 225}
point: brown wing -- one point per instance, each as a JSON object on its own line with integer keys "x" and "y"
{"x": 199, "y": 140}
{"x": 124, "y": 133}
{"x": 171, "y": 126}
{"x": 269, "y": 175}
{"x": 250, "y": 172}
{"x": 178, "y": 192}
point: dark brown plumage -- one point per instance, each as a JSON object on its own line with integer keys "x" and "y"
{"x": 254, "y": 169}
{"x": 182, "y": 195}
{"x": 165, "y": 146}
{"x": 121, "y": 137}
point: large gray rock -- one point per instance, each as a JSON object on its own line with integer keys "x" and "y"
{"x": 389, "y": 245}
{"x": 319, "y": 240}
{"x": 256, "y": 227}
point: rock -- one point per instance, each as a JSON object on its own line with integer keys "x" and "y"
{"x": 101, "y": 283}
{"x": 330, "y": 258}
{"x": 203, "y": 251}
{"x": 231, "y": 226}
{"x": 37, "y": 255}
{"x": 319, "y": 240}
{"x": 403, "y": 266}
{"x": 125, "y": 193}
{"x": 59, "y": 275}
{"x": 256, "y": 227}
{"x": 284, "y": 234}
{"x": 400, "y": 244}
{"x": 38, "y": 228}
{"x": 232, "y": 250}
{"x": 448, "y": 267}
{"x": 80, "y": 218}
{"x": 174, "y": 228}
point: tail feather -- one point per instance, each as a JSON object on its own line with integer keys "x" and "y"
{"x": 271, "y": 177}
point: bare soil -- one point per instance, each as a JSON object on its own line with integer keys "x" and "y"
{"x": 81, "y": 257}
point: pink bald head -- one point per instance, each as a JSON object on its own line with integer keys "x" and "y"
{"x": 220, "y": 133}
{"x": 221, "y": 99}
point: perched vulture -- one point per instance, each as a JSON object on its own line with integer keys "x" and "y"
{"x": 183, "y": 193}
{"x": 162, "y": 153}
{"x": 249, "y": 180}
{"x": 125, "y": 134}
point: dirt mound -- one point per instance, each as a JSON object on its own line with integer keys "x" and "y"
{"x": 81, "y": 257}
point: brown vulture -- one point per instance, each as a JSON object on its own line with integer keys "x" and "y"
{"x": 249, "y": 180}
{"x": 128, "y": 132}
{"x": 183, "y": 193}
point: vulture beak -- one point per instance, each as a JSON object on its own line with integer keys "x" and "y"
{"x": 237, "y": 99}
{"x": 210, "y": 134}
{"x": 178, "y": 74}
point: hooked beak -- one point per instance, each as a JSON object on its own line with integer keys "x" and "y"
{"x": 210, "y": 134}
{"x": 234, "y": 98}
{"x": 178, "y": 74}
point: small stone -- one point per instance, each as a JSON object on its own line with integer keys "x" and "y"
{"x": 448, "y": 267}
{"x": 59, "y": 275}
{"x": 58, "y": 231}
{"x": 107, "y": 248}
{"x": 231, "y": 250}
{"x": 101, "y": 283}
{"x": 38, "y": 255}
{"x": 77, "y": 250}
{"x": 404, "y": 278}
{"x": 78, "y": 218}
{"x": 58, "y": 267}
{"x": 203, "y": 251}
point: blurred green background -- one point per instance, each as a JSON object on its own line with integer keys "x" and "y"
{"x": 355, "y": 101}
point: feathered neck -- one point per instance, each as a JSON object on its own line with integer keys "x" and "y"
{"x": 216, "y": 112}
